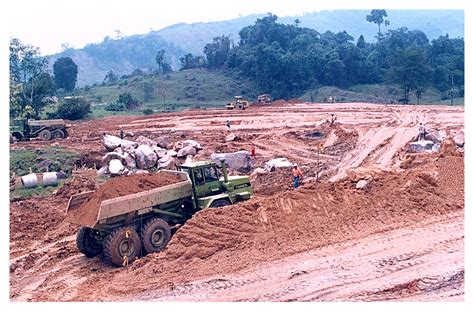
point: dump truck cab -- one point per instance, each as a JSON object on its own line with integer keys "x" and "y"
{"x": 210, "y": 189}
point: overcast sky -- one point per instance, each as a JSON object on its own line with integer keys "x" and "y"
{"x": 50, "y": 23}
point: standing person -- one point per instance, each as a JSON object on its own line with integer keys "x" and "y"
{"x": 297, "y": 175}
{"x": 421, "y": 132}
{"x": 121, "y": 133}
{"x": 228, "y": 125}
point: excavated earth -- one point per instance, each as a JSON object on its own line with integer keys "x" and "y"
{"x": 399, "y": 238}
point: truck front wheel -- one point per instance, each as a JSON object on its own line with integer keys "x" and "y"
{"x": 156, "y": 234}
{"x": 122, "y": 246}
{"x": 87, "y": 244}
{"x": 45, "y": 135}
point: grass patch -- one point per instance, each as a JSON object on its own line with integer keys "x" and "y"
{"x": 53, "y": 159}
{"x": 40, "y": 191}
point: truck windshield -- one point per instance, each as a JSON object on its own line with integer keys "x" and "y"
{"x": 210, "y": 174}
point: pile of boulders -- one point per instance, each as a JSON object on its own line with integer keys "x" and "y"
{"x": 434, "y": 139}
{"x": 127, "y": 157}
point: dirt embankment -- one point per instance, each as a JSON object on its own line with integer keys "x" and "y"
{"x": 219, "y": 241}
{"x": 118, "y": 187}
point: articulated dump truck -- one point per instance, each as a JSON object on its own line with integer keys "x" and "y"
{"x": 124, "y": 228}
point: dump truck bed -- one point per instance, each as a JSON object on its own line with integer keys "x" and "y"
{"x": 46, "y": 122}
{"x": 137, "y": 203}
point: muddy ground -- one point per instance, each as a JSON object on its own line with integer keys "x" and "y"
{"x": 400, "y": 238}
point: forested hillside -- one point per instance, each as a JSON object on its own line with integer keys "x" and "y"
{"x": 123, "y": 55}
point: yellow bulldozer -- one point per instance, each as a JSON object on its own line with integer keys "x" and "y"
{"x": 239, "y": 103}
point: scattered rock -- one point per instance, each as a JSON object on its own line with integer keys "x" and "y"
{"x": 116, "y": 167}
{"x": 239, "y": 160}
{"x": 145, "y": 157}
{"x": 185, "y": 151}
{"x": 231, "y": 137}
{"x": 361, "y": 184}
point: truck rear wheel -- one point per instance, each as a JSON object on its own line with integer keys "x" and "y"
{"x": 155, "y": 234}
{"x": 45, "y": 135}
{"x": 122, "y": 246}
{"x": 219, "y": 203}
{"x": 57, "y": 134}
{"x": 87, "y": 244}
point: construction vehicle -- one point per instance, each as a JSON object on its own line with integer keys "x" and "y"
{"x": 44, "y": 129}
{"x": 264, "y": 98}
{"x": 238, "y": 103}
{"x": 126, "y": 225}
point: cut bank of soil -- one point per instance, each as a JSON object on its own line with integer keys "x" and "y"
{"x": 86, "y": 214}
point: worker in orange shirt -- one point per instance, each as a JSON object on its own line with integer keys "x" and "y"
{"x": 297, "y": 175}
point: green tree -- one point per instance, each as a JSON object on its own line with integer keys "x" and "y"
{"x": 411, "y": 70}
{"x": 377, "y": 17}
{"x": 189, "y": 61}
{"x": 29, "y": 71}
{"x": 218, "y": 51}
{"x": 110, "y": 77}
{"x": 65, "y": 73}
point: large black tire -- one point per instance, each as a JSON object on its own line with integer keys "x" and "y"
{"x": 45, "y": 135}
{"x": 155, "y": 234}
{"x": 219, "y": 203}
{"x": 122, "y": 246}
{"x": 58, "y": 134}
{"x": 87, "y": 244}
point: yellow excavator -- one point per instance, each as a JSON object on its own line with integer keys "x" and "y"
{"x": 238, "y": 103}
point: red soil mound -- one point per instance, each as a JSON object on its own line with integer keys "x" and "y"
{"x": 117, "y": 187}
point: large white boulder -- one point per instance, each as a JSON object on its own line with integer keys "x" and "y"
{"x": 111, "y": 142}
{"x": 111, "y": 156}
{"x": 239, "y": 160}
{"x": 145, "y": 157}
{"x": 165, "y": 162}
{"x": 434, "y": 136}
{"x": 278, "y": 163}
{"x": 185, "y": 151}
{"x": 160, "y": 152}
{"x": 116, "y": 167}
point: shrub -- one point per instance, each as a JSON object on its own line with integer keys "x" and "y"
{"x": 148, "y": 111}
{"x": 128, "y": 100}
{"x": 74, "y": 108}
{"x": 116, "y": 106}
